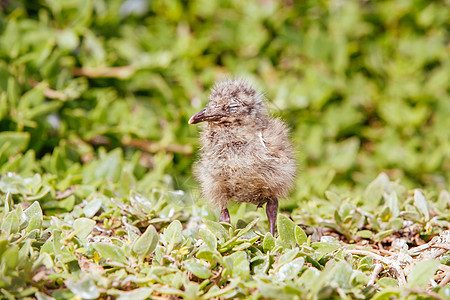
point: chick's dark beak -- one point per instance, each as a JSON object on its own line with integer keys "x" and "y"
{"x": 198, "y": 117}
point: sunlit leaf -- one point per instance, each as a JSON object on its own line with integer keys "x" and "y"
{"x": 421, "y": 203}
{"x": 10, "y": 224}
{"x": 300, "y": 236}
{"x": 84, "y": 288}
{"x": 421, "y": 273}
{"x": 111, "y": 251}
{"x": 197, "y": 269}
{"x": 172, "y": 235}
{"x": 218, "y": 230}
{"x": 146, "y": 243}
{"x": 286, "y": 229}
{"x": 83, "y": 227}
{"x": 268, "y": 242}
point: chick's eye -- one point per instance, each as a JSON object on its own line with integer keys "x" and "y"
{"x": 233, "y": 107}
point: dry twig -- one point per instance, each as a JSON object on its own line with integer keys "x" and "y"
{"x": 123, "y": 72}
{"x": 48, "y": 92}
{"x": 376, "y": 271}
{"x": 387, "y": 261}
{"x": 66, "y": 193}
{"x": 145, "y": 145}
{"x": 400, "y": 262}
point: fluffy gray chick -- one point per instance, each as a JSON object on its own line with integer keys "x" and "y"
{"x": 246, "y": 155}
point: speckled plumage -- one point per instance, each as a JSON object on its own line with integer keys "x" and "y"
{"x": 246, "y": 155}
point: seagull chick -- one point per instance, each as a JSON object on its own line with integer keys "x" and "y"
{"x": 246, "y": 155}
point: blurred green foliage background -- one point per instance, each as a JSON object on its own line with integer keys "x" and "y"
{"x": 96, "y": 193}
{"x": 364, "y": 85}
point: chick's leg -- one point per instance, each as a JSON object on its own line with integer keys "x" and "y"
{"x": 224, "y": 215}
{"x": 272, "y": 211}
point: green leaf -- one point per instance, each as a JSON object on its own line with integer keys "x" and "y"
{"x": 286, "y": 230}
{"x": 241, "y": 266}
{"x": 387, "y": 282}
{"x": 3, "y": 246}
{"x": 411, "y": 215}
{"x": 32, "y": 98}
{"x": 230, "y": 244}
{"x": 3, "y": 106}
{"x": 83, "y": 227}
{"x": 197, "y": 269}
{"x": 374, "y": 191}
{"x": 34, "y": 210}
{"x": 138, "y": 200}
{"x": 209, "y": 239}
{"x": 112, "y": 252}
{"x": 242, "y": 246}
{"x": 66, "y": 204}
{"x": 215, "y": 292}
{"x": 16, "y": 141}
{"x": 172, "y": 235}
{"x": 44, "y": 259}
{"x": 333, "y": 197}
{"x": 67, "y": 39}
{"x": 300, "y": 236}
{"x": 381, "y": 235}
{"x": 444, "y": 198}
{"x": 136, "y": 294}
{"x": 342, "y": 155}
{"x": 23, "y": 220}
{"x": 13, "y": 92}
{"x": 10, "y": 224}
{"x": 341, "y": 273}
{"x": 270, "y": 290}
{"x": 109, "y": 166}
{"x": 323, "y": 249}
{"x": 146, "y": 243}
{"x": 288, "y": 256}
{"x": 11, "y": 257}
{"x": 421, "y": 203}
{"x": 24, "y": 252}
{"x": 34, "y": 216}
{"x": 387, "y": 294}
{"x": 8, "y": 202}
{"x": 42, "y": 296}
{"x": 268, "y": 242}
{"x": 421, "y": 273}
{"x": 366, "y": 234}
{"x": 204, "y": 252}
{"x": 92, "y": 207}
{"x": 247, "y": 228}
{"x": 290, "y": 270}
{"x": 159, "y": 254}
{"x": 396, "y": 223}
{"x": 84, "y": 288}
{"x": 392, "y": 201}
{"x": 216, "y": 228}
